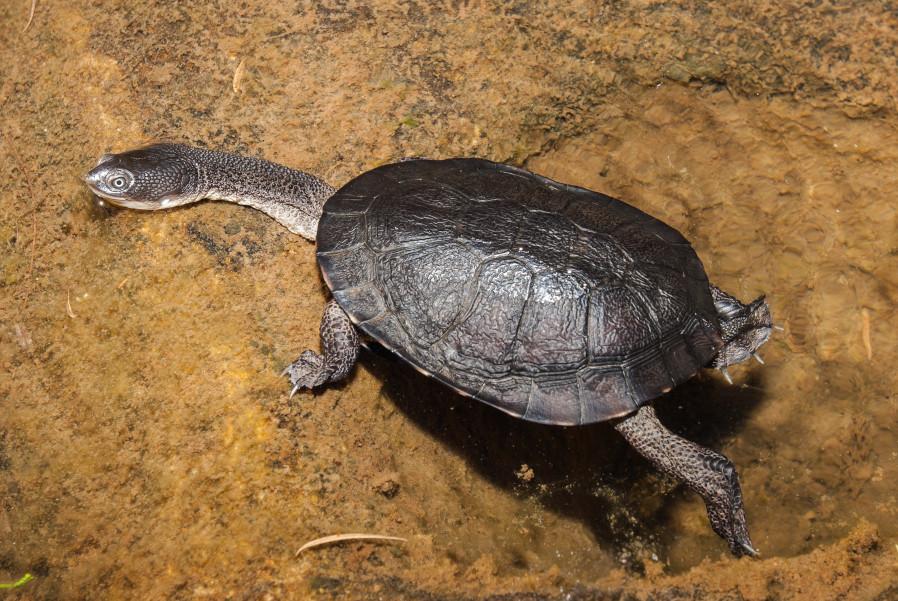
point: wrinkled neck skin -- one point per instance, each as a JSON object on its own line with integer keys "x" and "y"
{"x": 293, "y": 198}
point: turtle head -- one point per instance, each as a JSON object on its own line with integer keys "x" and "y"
{"x": 149, "y": 178}
{"x": 744, "y": 329}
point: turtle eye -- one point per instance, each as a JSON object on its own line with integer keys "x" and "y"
{"x": 119, "y": 180}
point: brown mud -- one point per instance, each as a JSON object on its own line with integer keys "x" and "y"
{"x": 148, "y": 448}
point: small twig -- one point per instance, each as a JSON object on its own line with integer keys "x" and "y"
{"x": 33, "y": 213}
{"x": 19, "y": 582}
{"x": 335, "y": 538}
{"x": 68, "y": 305}
{"x": 31, "y": 16}
{"x": 865, "y": 332}
{"x": 238, "y": 76}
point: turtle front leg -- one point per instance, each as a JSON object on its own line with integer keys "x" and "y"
{"x": 340, "y": 343}
{"x": 707, "y": 472}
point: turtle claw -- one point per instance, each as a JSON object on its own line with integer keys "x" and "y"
{"x": 718, "y": 484}
{"x": 726, "y": 374}
{"x": 308, "y": 371}
{"x": 758, "y": 357}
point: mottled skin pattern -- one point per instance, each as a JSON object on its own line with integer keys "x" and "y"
{"x": 581, "y": 308}
{"x": 340, "y": 343}
{"x": 736, "y": 322}
{"x": 707, "y": 472}
{"x": 162, "y": 176}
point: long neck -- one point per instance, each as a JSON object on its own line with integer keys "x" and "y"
{"x": 293, "y": 198}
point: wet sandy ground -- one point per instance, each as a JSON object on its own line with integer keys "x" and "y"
{"x": 148, "y": 449}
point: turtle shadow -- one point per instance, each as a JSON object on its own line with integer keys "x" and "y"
{"x": 588, "y": 473}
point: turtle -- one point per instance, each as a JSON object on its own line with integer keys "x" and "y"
{"x": 553, "y": 303}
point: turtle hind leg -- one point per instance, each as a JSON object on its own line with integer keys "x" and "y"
{"x": 340, "y": 343}
{"x": 707, "y": 472}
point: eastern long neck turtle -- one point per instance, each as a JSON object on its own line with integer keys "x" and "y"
{"x": 553, "y": 303}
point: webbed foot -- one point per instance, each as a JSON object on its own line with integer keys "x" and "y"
{"x": 340, "y": 342}
{"x": 707, "y": 472}
{"x": 719, "y": 487}
{"x": 308, "y": 371}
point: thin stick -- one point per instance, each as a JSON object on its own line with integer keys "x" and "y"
{"x": 33, "y": 214}
{"x": 865, "y": 332}
{"x": 68, "y": 305}
{"x": 31, "y": 16}
{"x": 238, "y": 76}
{"x": 19, "y": 582}
{"x": 335, "y": 538}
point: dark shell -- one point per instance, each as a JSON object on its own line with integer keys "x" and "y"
{"x": 553, "y": 303}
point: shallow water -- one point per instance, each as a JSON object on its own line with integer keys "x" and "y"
{"x": 798, "y": 204}
{"x": 148, "y": 447}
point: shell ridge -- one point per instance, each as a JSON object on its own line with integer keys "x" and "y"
{"x": 581, "y": 400}
{"x": 516, "y": 340}
{"x": 468, "y": 303}
{"x": 644, "y": 305}
{"x": 459, "y": 219}
{"x": 580, "y": 387}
